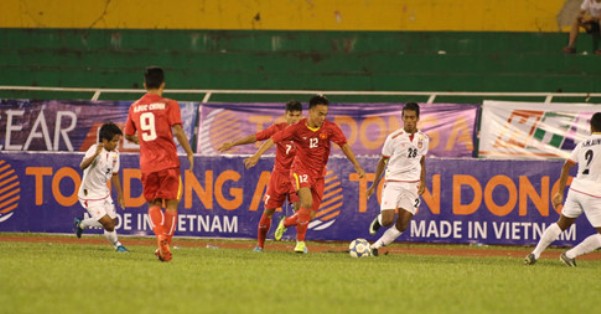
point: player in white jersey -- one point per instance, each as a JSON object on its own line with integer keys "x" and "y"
{"x": 101, "y": 164}
{"x": 403, "y": 156}
{"x": 584, "y": 196}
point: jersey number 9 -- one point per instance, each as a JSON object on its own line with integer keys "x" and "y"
{"x": 149, "y": 132}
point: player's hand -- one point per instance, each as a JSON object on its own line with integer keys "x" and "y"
{"x": 557, "y": 200}
{"x": 225, "y": 147}
{"x": 191, "y": 161}
{"x": 370, "y": 191}
{"x": 421, "y": 189}
{"x": 360, "y": 171}
{"x": 99, "y": 148}
{"x": 250, "y": 161}
{"x": 121, "y": 201}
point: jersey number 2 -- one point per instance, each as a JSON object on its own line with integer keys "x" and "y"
{"x": 589, "y": 157}
{"x": 149, "y": 132}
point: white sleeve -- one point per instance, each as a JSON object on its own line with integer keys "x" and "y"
{"x": 387, "y": 148}
{"x": 117, "y": 165}
{"x": 90, "y": 152}
{"x": 574, "y": 155}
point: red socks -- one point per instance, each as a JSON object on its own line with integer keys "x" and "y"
{"x": 304, "y": 216}
{"x": 156, "y": 217}
{"x": 170, "y": 224}
{"x": 264, "y": 225}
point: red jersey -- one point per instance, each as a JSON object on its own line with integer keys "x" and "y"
{"x": 313, "y": 145}
{"x": 285, "y": 150}
{"x": 151, "y": 119}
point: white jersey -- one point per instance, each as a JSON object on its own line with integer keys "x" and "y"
{"x": 592, "y": 7}
{"x": 588, "y": 156}
{"x": 405, "y": 152}
{"x": 97, "y": 174}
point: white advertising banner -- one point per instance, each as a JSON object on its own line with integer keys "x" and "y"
{"x": 533, "y": 130}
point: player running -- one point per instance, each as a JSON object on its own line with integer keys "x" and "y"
{"x": 279, "y": 188}
{"x": 312, "y": 137}
{"x": 101, "y": 164}
{"x": 152, "y": 122}
{"x": 404, "y": 157}
{"x": 584, "y": 196}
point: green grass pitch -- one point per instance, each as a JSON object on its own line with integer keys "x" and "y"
{"x": 92, "y": 278}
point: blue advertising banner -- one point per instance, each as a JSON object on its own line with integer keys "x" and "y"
{"x": 467, "y": 200}
{"x": 451, "y": 127}
{"x": 69, "y": 125}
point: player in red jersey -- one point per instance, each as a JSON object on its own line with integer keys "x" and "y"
{"x": 152, "y": 122}
{"x": 312, "y": 137}
{"x": 279, "y": 187}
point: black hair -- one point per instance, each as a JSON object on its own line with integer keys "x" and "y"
{"x": 154, "y": 77}
{"x": 294, "y": 105}
{"x": 318, "y": 100}
{"x": 412, "y": 106}
{"x": 108, "y": 130}
{"x": 596, "y": 122}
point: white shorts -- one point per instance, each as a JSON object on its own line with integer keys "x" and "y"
{"x": 578, "y": 202}
{"x": 99, "y": 208}
{"x": 400, "y": 195}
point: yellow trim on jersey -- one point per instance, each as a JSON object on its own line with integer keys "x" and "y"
{"x": 296, "y": 181}
{"x": 312, "y": 129}
{"x": 180, "y": 189}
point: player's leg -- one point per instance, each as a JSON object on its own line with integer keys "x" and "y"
{"x": 109, "y": 223}
{"x": 263, "y": 228}
{"x": 549, "y": 235}
{"x": 110, "y": 233}
{"x": 394, "y": 231}
{"x": 171, "y": 188}
{"x": 570, "y": 211}
{"x": 398, "y": 195}
{"x": 95, "y": 210}
{"x": 593, "y": 214}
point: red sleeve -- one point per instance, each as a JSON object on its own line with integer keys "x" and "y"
{"x": 285, "y": 134}
{"x": 175, "y": 116}
{"x": 267, "y": 133}
{"x": 130, "y": 127}
{"x": 337, "y": 135}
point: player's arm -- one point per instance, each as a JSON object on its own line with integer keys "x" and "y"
{"x": 132, "y": 138}
{"x": 130, "y": 130}
{"x": 87, "y": 161}
{"x": 563, "y": 180}
{"x": 348, "y": 152}
{"x": 243, "y": 141}
{"x": 116, "y": 183}
{"x": 179, "y": 133}
{"x": 252, "y": 160}
{"x": 422, "y": 176}
{"x": 378, "y": 176}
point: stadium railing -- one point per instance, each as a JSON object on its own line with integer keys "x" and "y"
{"x": 209, "y": 95}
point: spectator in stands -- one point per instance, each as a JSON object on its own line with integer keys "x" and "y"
{"x": 589, "y": 19}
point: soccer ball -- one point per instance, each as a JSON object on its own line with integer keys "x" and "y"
{"x": 359, "y": 248}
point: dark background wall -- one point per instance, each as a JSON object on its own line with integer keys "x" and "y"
{"x": 306, "y": 60}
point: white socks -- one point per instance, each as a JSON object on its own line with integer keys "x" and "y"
{"x": 388, "y": 237}
{"x": 550, "y": 234}
{"x": 112, "y": 238}
{"x": 586, "y": 246}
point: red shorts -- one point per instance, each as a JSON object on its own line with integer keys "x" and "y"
{"x": 278, "y": 190}
{"x": 302, "y": 179}
{"x": 165, "y": 184}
